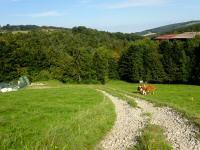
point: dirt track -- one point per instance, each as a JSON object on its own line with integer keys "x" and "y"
{"x": 179, "y": 131}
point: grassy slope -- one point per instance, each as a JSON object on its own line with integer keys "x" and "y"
{"x": 184, "y": 26}
{"x": 184, "y": 98}
{"x": 71, "y": 118}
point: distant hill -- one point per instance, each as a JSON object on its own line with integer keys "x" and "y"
{"x": 173, "y": 28}
{"x": 26, "y": 27}
{"x": 81, "y": 30}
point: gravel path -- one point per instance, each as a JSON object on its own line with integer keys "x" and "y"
{"x": 179, "y": 132}
{"x": 128, "y": 123}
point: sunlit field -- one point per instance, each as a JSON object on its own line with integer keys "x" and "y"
{"x": 184, "y": 98}
{"x": 65, "y": 117}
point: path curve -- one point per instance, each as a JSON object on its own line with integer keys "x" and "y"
{"x": 179, "y": 131}
{"x": 127, "y": 126}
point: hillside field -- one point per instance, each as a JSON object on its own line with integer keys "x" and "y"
{"x": 184, "y": 98}
{"x": 65, "y": 117}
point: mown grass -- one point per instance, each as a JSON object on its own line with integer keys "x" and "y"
{"x": 66, "y": 117}
{"x": 121, "y": 96}
{"x": 152, "y": 138}
{"x": 24, "y": 32}
{"x": 49, "y": 84}
{"x": 184, "y": 98}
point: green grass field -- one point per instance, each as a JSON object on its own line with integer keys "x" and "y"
{"x": 67, "y": 117}
{"x": 184, "y": 98}
{"x": 76, "y": 117}
{"x": 152, "y": 138}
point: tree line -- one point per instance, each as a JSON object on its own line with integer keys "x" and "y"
{"x": 85, "y": 55}
{"x": 70, "y": 55}
{"x": 162, "y": 61}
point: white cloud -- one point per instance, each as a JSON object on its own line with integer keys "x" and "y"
{"x": 46, "y": 14}
{"x": 42, "y": 14}
{"x": 132, "y": 3}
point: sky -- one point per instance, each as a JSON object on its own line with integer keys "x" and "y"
{"x": 108, "y": 15}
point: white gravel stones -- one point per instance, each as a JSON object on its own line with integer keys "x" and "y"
{"x": 127, "y": 127}
{"x": 179, "y": 132}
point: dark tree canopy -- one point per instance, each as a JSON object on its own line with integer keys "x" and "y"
{"x": 71, "y": 55}
{"x": 161, "y": 62}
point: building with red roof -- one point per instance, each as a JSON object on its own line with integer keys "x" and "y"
{"x": 183, "y": 36}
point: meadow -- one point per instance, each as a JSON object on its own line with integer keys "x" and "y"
{"x": 183, "y": 98}
{"x": 65, "y": 117}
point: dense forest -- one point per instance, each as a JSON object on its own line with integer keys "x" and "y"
{"x": 85, "y": 55}
{"x": 70, "y": 55}
{"x": 161, "y": 61}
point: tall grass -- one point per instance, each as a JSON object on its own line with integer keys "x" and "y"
{"x": 72, "y": 118}
{"x": 152, "y": 138}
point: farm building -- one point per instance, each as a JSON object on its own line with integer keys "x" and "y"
{"x": 182, "y": 36}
